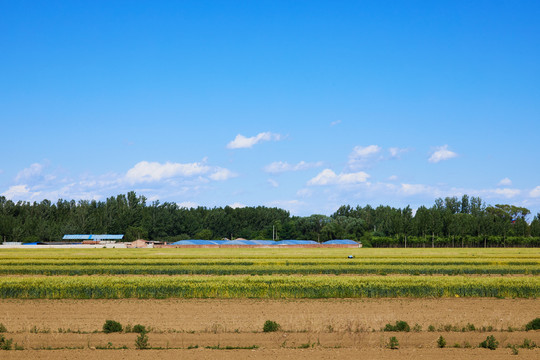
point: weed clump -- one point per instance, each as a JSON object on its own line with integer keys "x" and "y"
{"x": 111, "y": 326}
{"x": 441, "y": 342}
{"x": 528, "y": 344}
{"x": 3, "y": 329}
{"x": 515, "y": 350}
{"x": 5, "y": 344}
{"x": 490, "y": 343}
{"x": 135, "y": 329}
{"x": 271, "y": 326}
{"x": 533, "y": 325}
{"x": 393, "y": 343}
{"x": 141, "y": 343}
{"x": 400, "y": 326}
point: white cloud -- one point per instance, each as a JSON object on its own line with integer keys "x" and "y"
{"x": 506, "y": 192}
{"x": 505, "y": 182}
{"x": 334, "y": 123}
{"x": 283, "y": 166}
{"x": 153, "y": 179}
{"x": 393, "y": 178}
{"x": 328, "y": 177}
{"x": 237, "y": 205}
{"x": 16, "y": 191}
{"x": 221, "y": 174}
{"x": 365, "y": 151}
{"x": 187, "y": 204}
{"x": 362, "y": 154}
{"x": 273, "y": 183}
{"x": 535, "y": 192}
{"x": 415, "y": 189}
{"x": 395, "y": 152}
{"x": 145, "y": 171}
{"x": 30, "y": 172}
{"x": 441, "y": 153}
{"x": 242, "y": 142}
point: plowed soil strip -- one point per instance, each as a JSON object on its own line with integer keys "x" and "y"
{"x": 244, "y": 315}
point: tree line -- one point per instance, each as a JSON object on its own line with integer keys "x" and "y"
{"x": 449, "y": 222}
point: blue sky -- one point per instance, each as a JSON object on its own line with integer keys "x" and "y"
{"x": 303, "y": 105}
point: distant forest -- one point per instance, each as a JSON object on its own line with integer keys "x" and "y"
{"x": 450, "y": 222}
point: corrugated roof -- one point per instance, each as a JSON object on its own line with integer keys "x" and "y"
{"x": 261, "y": 242}
{"x": 341, "y": 242}
{"x": 297, "y": 242}
{"x": 93, "y": 237}
{"x": 199, "y": 242}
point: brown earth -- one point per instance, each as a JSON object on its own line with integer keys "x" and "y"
{"x": 333, "y": 328}
{"x": 245, "y": 315}
{"x": 293, "y": 354}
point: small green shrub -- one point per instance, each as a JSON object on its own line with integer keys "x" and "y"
{"x": 5, "y": 344}
{"x": 271, "y": 326}
{"x": 528, "y": 344}
{"x": 533, "y": 325}
{"x": 3, "y": 329}
{"x": 470, "y": 327}
{"x": 111, "y": 326}
{"x": 431, "y": 328}
{"x": 393, "y": 343}
{"x": 141, "y": 343}
{"x": 490, "y": 343}
{"x": 515, "y": 350}
{"x": 400, "y": 326}
{"x": 441, "y": 342}
{"x": 139, "y": 329}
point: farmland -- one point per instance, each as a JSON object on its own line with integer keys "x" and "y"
{"x": 197, "y": 302}
{"x": 269, "y": 262}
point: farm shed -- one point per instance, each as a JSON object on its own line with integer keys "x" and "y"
{"x": 342, "y": 242}
{"x": 263, "y": 243}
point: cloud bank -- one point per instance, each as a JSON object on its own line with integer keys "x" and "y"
{"x": 283, "y": 166}
{"x": 328, "y": 177}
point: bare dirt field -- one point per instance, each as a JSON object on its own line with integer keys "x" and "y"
{"x": 314, "y": 329}
{"x": 293, "y": 354}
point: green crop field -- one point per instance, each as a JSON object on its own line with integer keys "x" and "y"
{"x": 273, "y": 287}
{"x": 268, "y": 261}
{"x": 274, "y": 273}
